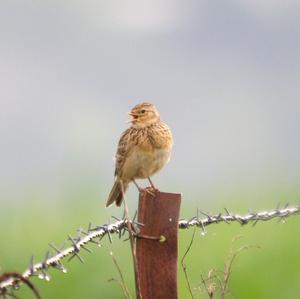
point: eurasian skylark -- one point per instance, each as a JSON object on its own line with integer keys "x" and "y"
{"x": 143, "y": 150}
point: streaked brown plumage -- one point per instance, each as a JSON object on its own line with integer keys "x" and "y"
{"x": 143, "y": 149}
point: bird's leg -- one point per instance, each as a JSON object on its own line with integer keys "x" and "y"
{"x": 152, "y": 185}
{"x": 141, "y": 190}
{"x": 138, "y": 187}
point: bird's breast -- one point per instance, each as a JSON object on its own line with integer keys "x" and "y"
{"x": 150, "y": 162}
{"x": 143, "y": 163}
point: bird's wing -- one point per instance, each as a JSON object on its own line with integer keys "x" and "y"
{"x": 124, "y": 147}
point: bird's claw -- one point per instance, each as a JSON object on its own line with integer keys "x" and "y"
{"x": 150, "y": 190}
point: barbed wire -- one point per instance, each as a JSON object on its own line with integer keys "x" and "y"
{"x": 77, "y": 243}
{"x": 281, "y": 213}
{"x": 95, "y": 235}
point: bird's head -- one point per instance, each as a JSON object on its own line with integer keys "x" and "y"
{"x": 144, "y": 115}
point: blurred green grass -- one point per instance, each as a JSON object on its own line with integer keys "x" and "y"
{"x": 269, "y": 272}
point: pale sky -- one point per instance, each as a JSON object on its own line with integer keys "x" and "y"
{"x": 225, "y": 76}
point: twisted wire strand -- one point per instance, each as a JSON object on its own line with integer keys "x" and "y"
{"x": 120, "y": 227}
{"x": 228, "y": 217}
{"x": 72, "y": 251}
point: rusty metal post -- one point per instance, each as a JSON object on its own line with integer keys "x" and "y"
{"x": 156, "y": 249}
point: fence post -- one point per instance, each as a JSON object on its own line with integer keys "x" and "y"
{"x": 156, "y": 249}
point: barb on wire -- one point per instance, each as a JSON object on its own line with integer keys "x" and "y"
{"x": 95, "y": 235}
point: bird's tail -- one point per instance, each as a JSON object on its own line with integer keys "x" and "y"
{"x": 115, "y": 194}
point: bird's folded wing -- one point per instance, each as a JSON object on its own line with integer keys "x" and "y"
{"x": 124, "y": 148}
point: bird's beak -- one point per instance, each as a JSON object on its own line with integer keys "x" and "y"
{"x": 133, "y": 116}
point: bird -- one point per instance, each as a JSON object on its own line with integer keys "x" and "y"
{"x": 143, "y": 150}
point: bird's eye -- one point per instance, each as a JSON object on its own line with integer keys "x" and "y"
{"x": 143, "y": 111}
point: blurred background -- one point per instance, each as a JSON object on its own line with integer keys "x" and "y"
{"x": 225, "y": 76}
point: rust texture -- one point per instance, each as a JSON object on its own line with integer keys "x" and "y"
{"x": 157, "y": 248}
